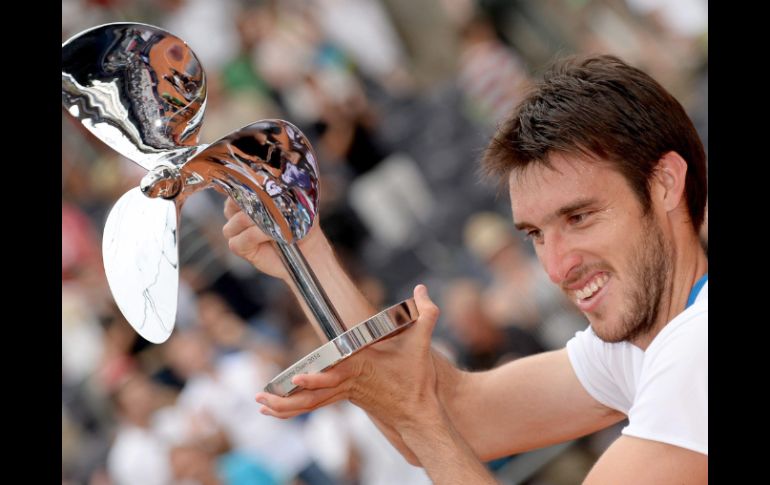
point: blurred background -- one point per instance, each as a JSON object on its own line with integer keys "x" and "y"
{"x": 398, "y": 98}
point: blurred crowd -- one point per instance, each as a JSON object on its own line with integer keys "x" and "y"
{"x": 398, "y": 98}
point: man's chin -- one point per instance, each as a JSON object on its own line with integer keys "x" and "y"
{"x": 607, "y": 335}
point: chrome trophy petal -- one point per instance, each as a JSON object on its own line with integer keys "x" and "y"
{"x": 138, "y": 88}
{"x": 141, "y": 261}
{"x": 268, "y": 168}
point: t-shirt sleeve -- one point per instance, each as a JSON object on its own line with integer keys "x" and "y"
{"x": 672, "y": 397}
{"x": 588, "y": 356}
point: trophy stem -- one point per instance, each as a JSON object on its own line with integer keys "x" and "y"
{"x": 307, "y": 284}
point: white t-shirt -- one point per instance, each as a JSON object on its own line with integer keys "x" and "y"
{"x": 663, "y": 390}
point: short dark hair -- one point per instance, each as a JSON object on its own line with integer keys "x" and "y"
{"x": 600, "y": 106}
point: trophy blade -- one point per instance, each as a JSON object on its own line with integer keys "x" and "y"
{"x": 138, "y": 88}
{"x": 141, "y": 260}
{"x": 270, "y": 169}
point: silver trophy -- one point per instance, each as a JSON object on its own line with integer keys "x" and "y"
{"x": 142, "y": 91}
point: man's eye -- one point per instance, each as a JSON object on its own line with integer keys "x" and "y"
{"x": 578, "y": 218}
{"x": 535, "y": 236}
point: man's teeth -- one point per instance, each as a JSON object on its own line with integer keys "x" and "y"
{"x": 588, "y": 290}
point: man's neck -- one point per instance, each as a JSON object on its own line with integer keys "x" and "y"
{"x": 690, "y": 264}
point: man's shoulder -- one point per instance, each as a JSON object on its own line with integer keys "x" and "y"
{"x": 671, "y": 402}
{"x": 683, "y": 343}
{"x": 688, "y": 328}
{"x": 599, "y": 348}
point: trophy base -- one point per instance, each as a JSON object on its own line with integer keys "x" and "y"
{"x": 385, "y": 324}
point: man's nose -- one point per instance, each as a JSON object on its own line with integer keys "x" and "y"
{"x": 558, "y": 257}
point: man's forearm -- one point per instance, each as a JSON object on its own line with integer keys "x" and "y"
{"x": 444, "y": 453}
{"x": 395, "y": 440}
{"x": 350, "y": 304}
{"x": 519, "y": 406}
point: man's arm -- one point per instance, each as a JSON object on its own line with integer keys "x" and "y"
{"x": 508, "y": 410}
{"x": 529, "y": 403}
{"x": 444, "y": 453}
{"x": 247, "y": 241}
{"x": 634, "y": 460}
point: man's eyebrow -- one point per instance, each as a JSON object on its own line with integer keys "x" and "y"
{"x": 562, "y": 211}
{"x": 522, "y": 225}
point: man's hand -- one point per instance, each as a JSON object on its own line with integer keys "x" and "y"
{"x": 394, "y": 380}
{"x": 249, "y": 242}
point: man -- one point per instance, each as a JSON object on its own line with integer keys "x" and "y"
{"x": 607, "y": 176}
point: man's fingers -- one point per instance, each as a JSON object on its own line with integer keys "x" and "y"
{"x": 301, "y": 402}
{"x": 237, "y": 224}
{"x": 290, "y": 413}
{"x": 331, "y": 378}
{"x": 231, "y": 228}
{"x": 231, "y": 207}
{"x": 269, "y": 412}
{"x": 428, "y": 310}
{"x": 243, "y": 244}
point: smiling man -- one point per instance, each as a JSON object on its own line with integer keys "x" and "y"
{"x": 607, "y": 176}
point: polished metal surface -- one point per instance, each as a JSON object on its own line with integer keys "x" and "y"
{"x": 142, "y": 91}
{"x": 383, "y": 325}
{"x": 140, "y": 252}
{"x": 136, "y": 87}
{"x": 324, "y": 313}
{"x": 269, "y": 169}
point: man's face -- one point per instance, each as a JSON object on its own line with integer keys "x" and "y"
{"x": 594, "y": 241}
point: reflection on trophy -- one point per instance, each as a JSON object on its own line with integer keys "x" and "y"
{"x": 142, "y": 91}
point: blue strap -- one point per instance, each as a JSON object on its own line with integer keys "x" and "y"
{"x": 696, "y": 289}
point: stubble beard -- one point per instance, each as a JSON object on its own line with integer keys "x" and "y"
{"x": 650, "y": 274}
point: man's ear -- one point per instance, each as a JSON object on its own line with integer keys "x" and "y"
{"x": 670, "y": 175}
